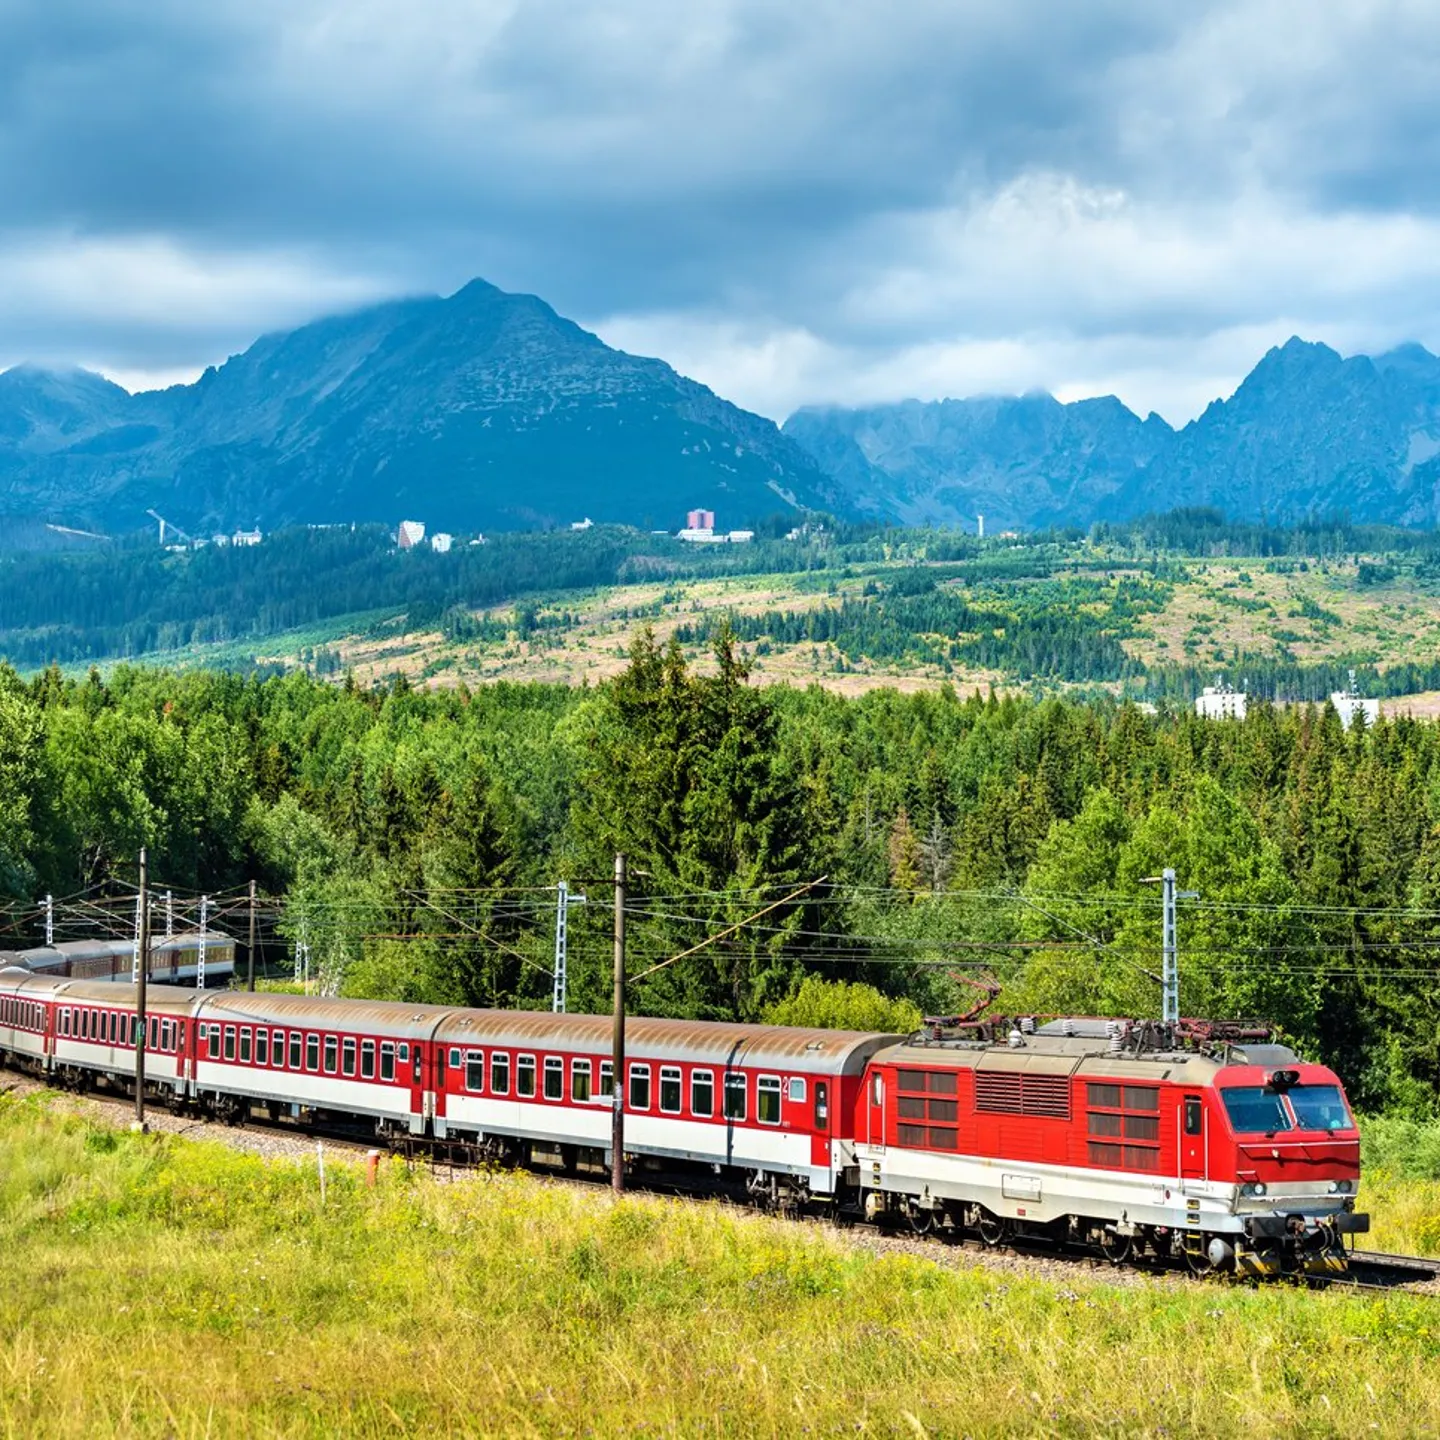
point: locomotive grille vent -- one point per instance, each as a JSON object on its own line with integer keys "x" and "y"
{"x": 998, "y": 1092}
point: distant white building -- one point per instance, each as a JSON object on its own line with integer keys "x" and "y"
{"x": 584, "y": 524}
{"x": 219, "y": 539}
{"x": 1350, "y": 703}
{"x": 741, "y": 537}
{"x": 698, "y": 536}
{"x": 440, "y": 542}
{"x": 1220, "y": 702}
{"x": 245, "y": 537}
{"x": 410, "y": 534}
{"x": 478, "y": 540}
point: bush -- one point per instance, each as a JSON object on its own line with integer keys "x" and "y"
{"x": 839, "y": 1005}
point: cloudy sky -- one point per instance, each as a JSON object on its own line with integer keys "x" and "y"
{"x": 822, "y": 201}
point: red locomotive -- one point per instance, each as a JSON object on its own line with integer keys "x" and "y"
{"x": 1207, "y": 1142}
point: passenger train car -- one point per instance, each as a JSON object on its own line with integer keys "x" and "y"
{"x": 174, "y": 958}
{"x": 1214, "y": 1145}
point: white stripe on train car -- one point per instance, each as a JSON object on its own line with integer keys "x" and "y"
{"x": 341, "y": 1093}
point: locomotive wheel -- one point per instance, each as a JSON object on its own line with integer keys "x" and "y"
{"x": 1199, "y": 1260}
{"x": 992, "y": 1230}
{"x": 1116, "y": 1248}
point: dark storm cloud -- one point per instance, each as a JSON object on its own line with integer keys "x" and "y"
{"x": 823, "y": 197}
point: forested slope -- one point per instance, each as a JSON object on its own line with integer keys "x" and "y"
{"x": 958, "y": 834}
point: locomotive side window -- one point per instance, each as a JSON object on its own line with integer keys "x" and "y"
{"x": 499, "y": 1073}
{"x": 525, "y": 1075}
{"x": 1193, "y": 1115}
{"x": 822, "y": 1105}
{"x": 734, "y": 1097}
{"x": 639, "y": 1087}
{"x": 580, "y": 1081}
{"x": 554, "y": 1078}
{"x": 702, "y": 1093}
{"x": 767, "y": 1100}
{"x": 670, "y": 1089}
{"x": 1124, "y": 1126}
{"x": 475, "y": 1070}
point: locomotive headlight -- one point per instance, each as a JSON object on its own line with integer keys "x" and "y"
{"x": 1253, "y": 1187}
{"x": 1341, "y": 1187}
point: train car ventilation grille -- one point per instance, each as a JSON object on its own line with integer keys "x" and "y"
{"x": 998, "y": 1092}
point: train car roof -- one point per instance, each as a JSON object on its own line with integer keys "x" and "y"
{"x": 317, "y": 1012}
{"x": 59, "y": 988}
{"x": 696, "y": 1042}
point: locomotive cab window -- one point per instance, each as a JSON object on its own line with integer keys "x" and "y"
{"x": 1254, "y": 1110}
{"x": 580, "y": 1081}
{"x": 1194, "y": 1116}
{"x": 767, "y": 1100}
{"x": 702, "y": 1093}
{"x": 1320, "y": 1107}
{"x": 670, "y": 1089}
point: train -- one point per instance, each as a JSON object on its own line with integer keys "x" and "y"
{"x": 1205, "y": 1143}
{"x": 172, "y": 958}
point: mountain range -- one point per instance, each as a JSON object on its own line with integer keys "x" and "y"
{"x": 487, "y": 410}
{"x": 1307, "y": 433}
{"x": 480, "y": 410}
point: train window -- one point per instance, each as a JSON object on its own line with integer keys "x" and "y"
{"x": 475, "y": 1070}
{"x": 606, "y": 1088}
{"x": 167, "y": 1035}
{"x": 154, "y": 1041}
{"x": 332, "y": 1054}
{"x": 580, "y": 1080}
{"x": 734, "y": 1097}
{"x": 244, "y": 1044}
{"x": 347, "y": 1057}
{"x": 767, "y": 1100}
{"x": 1193, "y": 1115}
{"x": 294, "y": 1050}
{"x": 670, "y": 1089}
{"x": 439, "y": 1067}
{"x": 1320, "y": 1107}
{"x": 229, "y": 1042}
{"x": 499, "y": 1073}
{"x": 639, "y": 1087}
{"x": 525, "y": 1075}
{"x": 387, "y": 1061}
{"x": 416, "y": 1059}
{"x": 796, "y": 1094}
{"x": 454, "y": 1059}
{"x": 277, "y": 1047}
{"x": 367, "y": 1059}
{"x": 877, "y": 1090}
{"x": 262, "y": 1047}
{"x": 822, "y": 1105}
{"x": 404, "y": 1052}
{"x": 65, "y": 1022}
{"x": 554, "y": 1078}
{"x": 312, "y": 1052}
{"x": 702, "y": 1093}
{"x": 1254, "y": 1110}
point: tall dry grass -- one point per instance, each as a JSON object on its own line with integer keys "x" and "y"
{"x": 158, "y": 1287}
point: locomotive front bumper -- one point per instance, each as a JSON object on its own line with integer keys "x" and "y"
{"x": 1286, "y": 1244}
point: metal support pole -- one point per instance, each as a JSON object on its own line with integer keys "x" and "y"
{"x": 204, "y": 928}
{"x": 49, "y": 921}
{"x": 617, "y": 1051}
{"x": 142, "y": 947}
{"x": 1170, "y": 970}
{"x": 140, "y": 908}
{"x": 170, "y": 914}
{"x": 250, "y": 949}
{"x": 563, "y": 903}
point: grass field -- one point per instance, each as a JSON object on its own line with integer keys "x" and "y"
{"x": 159, "y": 1287}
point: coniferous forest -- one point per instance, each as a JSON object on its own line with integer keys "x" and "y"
{"x": 409, "y": 838}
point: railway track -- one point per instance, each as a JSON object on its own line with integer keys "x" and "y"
{"x": 1371, "y": 1270}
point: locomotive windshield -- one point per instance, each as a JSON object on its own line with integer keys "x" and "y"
{"x": 1320, "y": 1107}
{"x": 1253, "y": 1110}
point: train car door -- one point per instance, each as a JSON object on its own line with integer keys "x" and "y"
{"x": 419, "y": 1109}
{"x": 875, "y": 1110}
{"x": 820, "y": 1124}
{"x": 1191, "y": 1132}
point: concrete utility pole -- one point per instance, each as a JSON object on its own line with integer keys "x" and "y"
{"x": 617, "y": 1049}
{"x": 562, "y": 916}
{"x": 143, "y": 950}
{"x": 250, "y": 952}
{"x": 1170, "y": 968}
{"x": 204, "y": 927}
